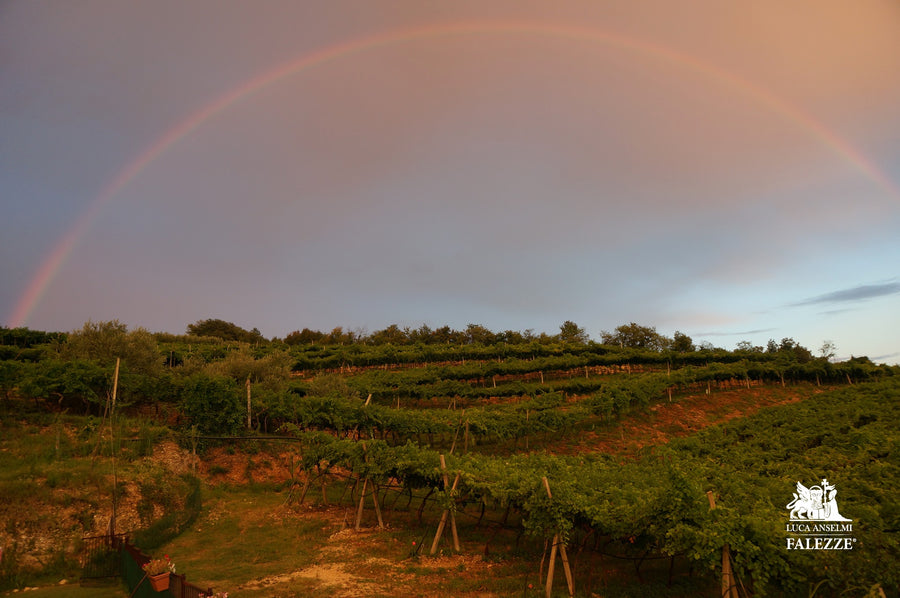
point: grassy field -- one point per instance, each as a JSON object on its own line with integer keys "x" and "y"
{"x": 76, "y": 591}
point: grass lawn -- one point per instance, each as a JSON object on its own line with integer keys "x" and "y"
{"x": 76, "y": 591}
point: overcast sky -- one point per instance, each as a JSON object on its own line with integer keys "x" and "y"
{"x": 728, "y": 170}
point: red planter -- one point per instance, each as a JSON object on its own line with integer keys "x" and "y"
{"x": 159, "y": 582}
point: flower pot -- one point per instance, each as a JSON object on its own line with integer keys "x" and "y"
{"x": 159, "y": 582}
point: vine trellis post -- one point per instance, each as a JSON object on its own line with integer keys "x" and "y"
{"x": 557, "y": 543}
{"x": 447, "y": 511}
{"x": 362, "y": 496}
{"x": 729, "y": 587}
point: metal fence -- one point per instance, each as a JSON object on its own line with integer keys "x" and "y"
{"x": 100, "y": 556}
{"x": 113, "y": 556}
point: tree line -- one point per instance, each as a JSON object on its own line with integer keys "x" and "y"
{"x": 631, "y": 335}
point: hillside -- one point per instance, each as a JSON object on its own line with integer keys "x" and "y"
{"x": 629, "y": 441}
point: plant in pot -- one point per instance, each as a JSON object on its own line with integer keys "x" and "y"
{"x": 158, "y": 571}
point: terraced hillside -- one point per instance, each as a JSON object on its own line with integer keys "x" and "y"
{"x": 613, "y": 452}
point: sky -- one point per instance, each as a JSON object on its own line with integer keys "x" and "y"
{"x": 727, "y": 170}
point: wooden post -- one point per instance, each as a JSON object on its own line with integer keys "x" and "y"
{"x": 359, "y": 509}
{"x": 115, "y": 386}
{"x": 466, "y": 438}
{"x": 362, "y": 497}
{"x": 552, "y": 565}
{"x": 447, "y": 512}
{"x": 377, "y": 506}
{"x": 558, "y": 544}
{"x": 248, "y": 402}
{"x": 729, "y": 588}
{"x": 527, "y": 416}
{"x": 112, "y": 432}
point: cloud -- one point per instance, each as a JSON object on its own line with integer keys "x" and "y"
{"x": 858, "y": 293}
{"x": 834, "y": 312}
{"x": 741, "y": 333}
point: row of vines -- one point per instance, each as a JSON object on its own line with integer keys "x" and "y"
{"x": 387, "y": 414}
{"x": 657, "y": 505}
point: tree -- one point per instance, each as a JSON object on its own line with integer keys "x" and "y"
{"x": 224, "y": 330}
{"x": 748, "y": 347}
{"x": 682, "y": 343}
{"x": 511, "y": 337}
{"x": 304, "y": 337}
{"x": 636, "y": 337}
{"x": 792, "y": 350}
{"x": 476, "y": 333}
{"x": 569, "y": 332}
{"x": 391, "y": 335}
{"x": 423, "y": 334}
{"x": 337, "y": 336}
{"x": 446, "y": 335}
{"x": 827, "y": 350}
{"x": 104, "y": 342}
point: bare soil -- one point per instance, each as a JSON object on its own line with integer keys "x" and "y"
{"x": 685, "y": 415}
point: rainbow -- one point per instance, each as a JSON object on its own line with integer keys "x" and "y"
{"x": 56, "y": 258}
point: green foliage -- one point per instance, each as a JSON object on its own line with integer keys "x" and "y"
{"x": 213, "y": 404}
{"x": 636, "y": 337}
{"x": 570, "y": 332}
{"x": 24, "y": 338}
{"x": 658, "y": 504}
{"x": 242, "y": 364}
{"x": 10, "y": 376}
{"x": 104, "y": 342}
{"x": 167, "y": 491}
{"x": 304, "y": 337}
{"x": 682, "y": 343}
{"x": 68, "y": 383}
{"x": 224, "y": 330}
{"x": 505, "y": 387}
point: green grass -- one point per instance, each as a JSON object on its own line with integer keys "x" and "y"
{"x": 115, "y": 590}
{"x": 242, "y": 535}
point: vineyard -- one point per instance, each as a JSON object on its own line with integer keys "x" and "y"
{"x": 502, "y": 434}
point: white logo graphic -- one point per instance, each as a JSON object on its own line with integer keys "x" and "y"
{"x": 815, "y": 504}
{"x": 816, "y": 523}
